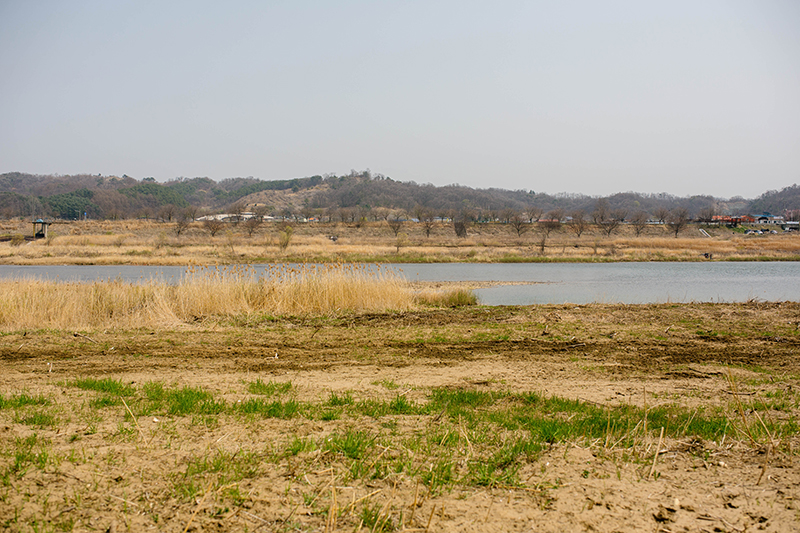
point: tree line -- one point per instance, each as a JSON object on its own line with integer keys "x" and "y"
{"x": 354, "y": 197}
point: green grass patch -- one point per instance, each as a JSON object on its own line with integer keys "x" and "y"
{"x": 334, "y": 400}
{"x": 107, "y": 385}
{"x": 39, "y": 419}
{"x": 23, "y": 400}
{"x": 269, "y": 388}
{"x": 27, "y": 452}
{"x": 265, "y": 408}
{"x": 191, "y": 400}
{"x": 351, "y": 443}
{"x": 105, "y": 401}
{"x": 299, "y": 445}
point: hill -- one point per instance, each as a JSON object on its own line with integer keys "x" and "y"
{"x": 355, "y": 196}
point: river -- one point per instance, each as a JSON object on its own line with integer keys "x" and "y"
{"x": 578, "y": 283}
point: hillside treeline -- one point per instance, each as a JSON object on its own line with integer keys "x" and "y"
{"x": 355, "y": 196}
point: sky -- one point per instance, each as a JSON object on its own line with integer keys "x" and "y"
{"x": 578, "y": 96}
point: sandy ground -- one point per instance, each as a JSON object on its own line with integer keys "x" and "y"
{"x": 101, "y": 478}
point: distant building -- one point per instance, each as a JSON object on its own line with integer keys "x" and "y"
{"x": 767, "y": 218}
{"x": 733, "y": 220}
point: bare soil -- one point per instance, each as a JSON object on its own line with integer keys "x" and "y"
{"x": 106, "y": 472}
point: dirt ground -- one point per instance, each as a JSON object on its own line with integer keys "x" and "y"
{"x": 107, "y": 472}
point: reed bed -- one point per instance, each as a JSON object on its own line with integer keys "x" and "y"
{"x": 210, "y": 294}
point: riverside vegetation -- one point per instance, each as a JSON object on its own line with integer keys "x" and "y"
{"x": 156, "y": 243}
{"x": 212, "y": 294}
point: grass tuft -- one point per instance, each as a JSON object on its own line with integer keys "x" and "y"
{"x": 107, "y": 385}
{"x": 190, "y": 400}
{"x": 352, "y": 444}
{"x": 22, "y": 400}
{"x": 269, "y": 388}
{"x": 274, "y": 409}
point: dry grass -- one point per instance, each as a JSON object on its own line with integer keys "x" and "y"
{"x": 154, "y": 243}
{"x": 212, "y": 294}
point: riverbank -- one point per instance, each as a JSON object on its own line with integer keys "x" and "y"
{"x": 604, "y": 417}
{"x": 159, "y": 243}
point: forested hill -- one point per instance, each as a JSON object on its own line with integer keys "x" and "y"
{"x": 361, "y": 194}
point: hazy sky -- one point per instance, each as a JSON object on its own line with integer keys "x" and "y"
{"x": 594, "y": 97}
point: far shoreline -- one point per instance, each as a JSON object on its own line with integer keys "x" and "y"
{"x": 152, "y": 243}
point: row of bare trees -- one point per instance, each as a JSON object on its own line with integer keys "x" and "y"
{"x": 607, "y": 221}
{"x": 603, "y": 218}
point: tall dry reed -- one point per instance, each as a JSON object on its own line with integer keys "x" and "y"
{"x": 204, "y": 293}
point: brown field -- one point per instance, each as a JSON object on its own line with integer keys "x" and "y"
{"x": 543, "y": 418}
{"x": 156, "y": 243}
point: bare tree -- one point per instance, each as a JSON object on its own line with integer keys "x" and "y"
{"x": 639, "y": 222}
{"x": 601, "y": 212}
{"x": 608, "y": 221}
{"x": 555, "y": 214}
{"x": 662, "y": 214}
{"x": 678, "y": 219}
{"x": 182, "y": 223}
{"x": 363, "y": 213}
{"x": 237, "y": 209}
{"x": 546, "y": 227}
{"x": 426, "y": 218}
{"x": 332, "y": 213}
{"x": 707, "y": 214}
{"x": 543, "y": 229}
{"x": 251, "y": 225}
{"x": 213, "y": 226}
{"x": 395, "y": 224}
{"x": 307, "y": 211}
{"x": 609, "y": 226}
{"x": 519, "y": 224}
{"x": 190, "y": 212}
{"x": 381, "y": 213}
{"x": 507, "y": 214}
{"x": 261, "y": 211}
{"x": 347, "y": 214}
{"x": 578, "y": 223}
{"x": 533, "y": 214}
{"x": 461, "y": 224}
{"x": 167, "y": 212}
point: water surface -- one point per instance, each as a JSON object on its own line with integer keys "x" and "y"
{"x": 551, "y": 282}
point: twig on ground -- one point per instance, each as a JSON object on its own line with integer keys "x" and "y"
{"x": 76, "y": 334}
{"x": 134, "y": 418}
{"x": 124, "y": 500}
{"x": 199, "y": 506}
{"x": 370, "y": 495}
